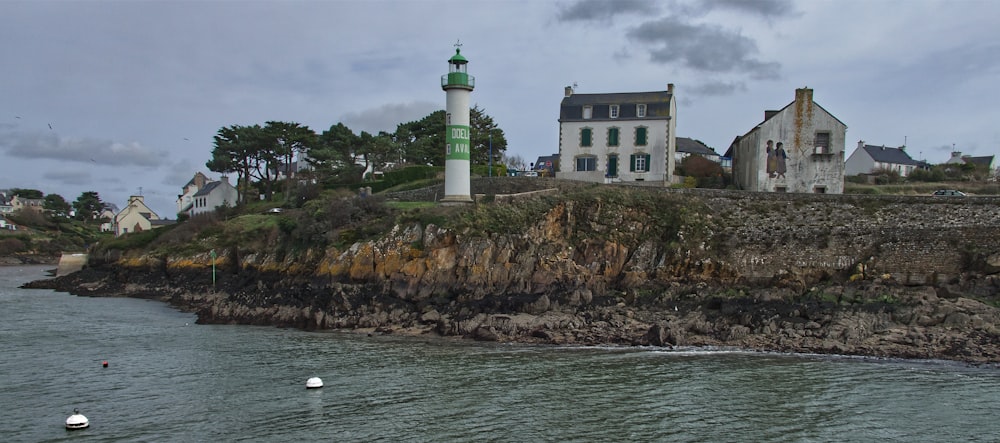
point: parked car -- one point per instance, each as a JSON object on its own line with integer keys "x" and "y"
{"x": 948, "y": 193}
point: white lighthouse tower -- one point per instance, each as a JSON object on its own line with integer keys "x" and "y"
{"x": 457, "y": 85}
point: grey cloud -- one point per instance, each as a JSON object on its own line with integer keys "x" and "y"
{"x": 764, "y": 8}
{"x": 703, "y": 48}
{"x": 603, "y": 10}
{"x": 718, "y": 88}
{"x": 41, "y": 145}
{"x": 388, "y": 116}
{"x": 69, "y": 177}
{"x": 181, "y": 172}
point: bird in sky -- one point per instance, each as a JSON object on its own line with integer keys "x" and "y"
{"x": 50, "y": 125}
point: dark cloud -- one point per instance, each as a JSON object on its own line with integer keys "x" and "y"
{"x": 704, "y": 48}
{"x": 42, "y": 145}
{"x": 69, "y": 177}
{"x": 388, "y": 116}
{"x": 763, "y": 8}
{"x": 718, "y": 88}
{"x": 603, "y": 10}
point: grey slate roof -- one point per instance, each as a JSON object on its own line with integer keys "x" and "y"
{"x": 692, "y": 146}
{"x": 657, "y": 105}
{"x": 979, "y": 161}
{"x": 208, "y": 188}
{"x": 895, "y": 156}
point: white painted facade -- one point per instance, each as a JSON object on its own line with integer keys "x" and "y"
{"x": 631, "y": 159}
{"x": 214, "y": 195}
{"x": 813, "y": 141}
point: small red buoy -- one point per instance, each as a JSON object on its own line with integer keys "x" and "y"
{"x": 104, "y": 363}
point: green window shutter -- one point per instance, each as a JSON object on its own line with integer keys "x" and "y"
{"x": 648, "y": 164}
{"x": 585, "y": 137}
{"x": 640, "y": 136}
{"x": 613, "y": 137}
{"x": 631, "y": 160}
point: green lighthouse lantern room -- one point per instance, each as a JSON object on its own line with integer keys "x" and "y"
{"x": 458, "y": 75}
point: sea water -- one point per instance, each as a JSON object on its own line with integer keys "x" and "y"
{"x": 170, "y": 379}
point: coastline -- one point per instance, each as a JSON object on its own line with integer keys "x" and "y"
{"x": 918, "y": 324}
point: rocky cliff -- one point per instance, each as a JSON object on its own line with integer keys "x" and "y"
{"x": 878, "y": 276}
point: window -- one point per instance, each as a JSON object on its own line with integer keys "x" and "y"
{"x": 612, "y": 166}
{"x": 640, "y": 136}
{"x": 586, "y": 136}
{"x": 822, "y": 143}
{"x": 588, "y": 112}
{"x": 639, "y": 163}
{"x": 640, "y": 111}
{"x": 613, "y": 112}
{"x": 612, "y": 136}
{"x": 586, "y": 163}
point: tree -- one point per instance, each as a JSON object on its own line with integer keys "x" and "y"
{"x": 484, "y": 134}
{"x": 235, "y": 149}
{"x": 422, "y": 142}
{"x": 26, "y": 193}
{"x": 56, "y": 205}
{"x": 281, "y": 142}
{"x": 88, "y": 206}
{"x": 514, "y": 162}
{"x": 334, "y": 154}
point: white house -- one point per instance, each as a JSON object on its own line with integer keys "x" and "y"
{"x": 213, "y": 195}
{"x": 867, "y": 159}
{"x": 186, "y": 198}
{"x": 135, "y": 217}
{"x": 626, "y": 136}
{"x": 799, "y": 148}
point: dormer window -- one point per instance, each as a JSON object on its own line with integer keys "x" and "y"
{"x": 640, "y": 110}
{"x": 588, "y": 112}
{"x": 613, "y": 112}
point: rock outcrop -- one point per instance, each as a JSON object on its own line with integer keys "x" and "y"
{"x": 883, "y": 277}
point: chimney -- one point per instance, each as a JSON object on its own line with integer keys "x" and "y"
{"x": 225, "y": 178}
{"x": 804, "y": 95}
{"x": 569, "y": 91}
{"x": 861, "y": 144}
{"x": 769, "y": 114}
{"x": 670, "y": 88}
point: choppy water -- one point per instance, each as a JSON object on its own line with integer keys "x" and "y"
{"x": 169, "y": 379}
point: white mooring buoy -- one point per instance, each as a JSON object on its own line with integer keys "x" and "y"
{"x": 314, "y": 382}
{"x": 77, "y": 420}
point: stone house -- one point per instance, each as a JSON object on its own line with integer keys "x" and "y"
{"x": 620, "y": 137}
{"x": 214, "y": 195}
{"x": 799, "y": 148}
{"x": 35, "y": 204}
{"x": 867, "y": 159}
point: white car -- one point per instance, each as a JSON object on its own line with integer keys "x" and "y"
{"x": 531, "y": 174}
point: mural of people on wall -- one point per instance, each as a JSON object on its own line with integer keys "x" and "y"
{"x": 780, "y": 157}
{"x": 772, "y": 163}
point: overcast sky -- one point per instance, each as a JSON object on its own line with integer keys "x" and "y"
{"x": 123, "y": 97}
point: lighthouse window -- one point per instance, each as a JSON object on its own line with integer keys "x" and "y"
{"x": 614, "y": 111}
{"x": 586, "y": 137}
{"x": 588, "y": 112}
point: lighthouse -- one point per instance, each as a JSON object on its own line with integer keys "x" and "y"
{"x": 457, "y": 85}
